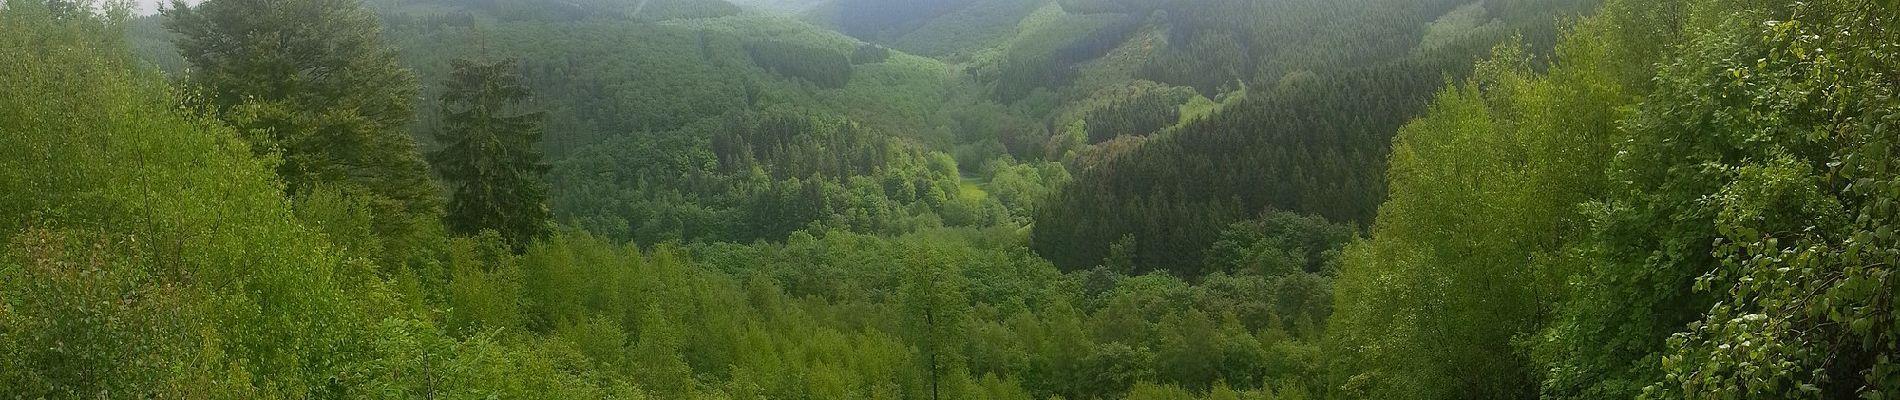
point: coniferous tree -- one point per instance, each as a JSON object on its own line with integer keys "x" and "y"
{"x": 313, "y": 82}
{"x": 490, "y": 157}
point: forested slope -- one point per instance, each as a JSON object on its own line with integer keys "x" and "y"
{"x": 962, "y": 199}
{"x": 1310, "y": 138}
{"x": 637, "y": 103}
{"x": 158, "y": 253}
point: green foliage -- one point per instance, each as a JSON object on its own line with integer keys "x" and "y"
{"x": 759, "y": 176}
{"x": 1578, "y": 226}
{"x": 1022, "y": 188}
{"x": 1460, "y": 247}
{"x": 1139, "y": 114}
{"x": 870, "y": 54}
{"x": 819, "y": 66}
{"x": 1794, "y": 185}
{"x": 150, "y": 254}
{"x": 1470, "y": 19}
{"x": 1336, "y": 80}
{"x": 935, "y": 304}
{"x": 1486, "y": 225}
{"x": 491, "y": 159}
{"x": 231, "y": 293}
{"x": 323, "y": 94}
{"x": 1277, "y": 243}
{"x": 1034, "y": 60}
{"x": 586, "y": 78}
{"x": 1708, "y": 233}
{"x": 1312, "y": 150}
{"x": 635, "y": 112}
{"x": 485, "y": 291}
{"x": 1215, "y": 43}
{"x": 973, "y": 28}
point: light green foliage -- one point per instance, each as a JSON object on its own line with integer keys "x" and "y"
{"x": 935, "y": 305}
{"x": 1715, "y": 232}
{"x": 1150, "y": 391}
{"x": 1464, "y": 21}
{"x": 1595, "y": 343}
{"x": 151, "y": 255}
{"x": 656, "y": 357}
{"x": 485, "y": 288}
{"x": 1200, "y": 107}
{"x": 107, "y": 198}
{"x": 1120, "y": 65}
{"x": 344, "y": 218}
{"x": 1022, "y": 187}
{"x": 998, "y": 318}
{"x": 1483, "y": 228}
{"x": 1443, "y": 243}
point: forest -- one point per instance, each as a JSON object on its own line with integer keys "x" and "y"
{"x": 950, "y": 199}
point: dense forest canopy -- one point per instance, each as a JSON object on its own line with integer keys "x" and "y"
{"x": 950, "y": 199}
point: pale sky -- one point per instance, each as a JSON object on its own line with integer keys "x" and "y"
{"x": 149, "y": 7}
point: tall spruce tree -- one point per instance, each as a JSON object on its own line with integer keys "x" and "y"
{"x": 490, "y": 157}
{"x": 312, "y": 82}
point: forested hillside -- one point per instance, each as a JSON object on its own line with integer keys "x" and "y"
{"x": 1310, "y": 138}
{"x": 639, "y": 103}
{"x": 950, "y": 199}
